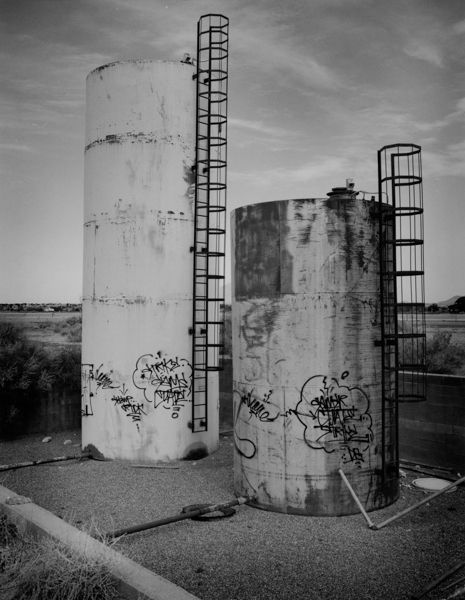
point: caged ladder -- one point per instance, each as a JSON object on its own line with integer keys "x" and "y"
{"x": 403, "y": 327}
{"x": 210, "y": 209}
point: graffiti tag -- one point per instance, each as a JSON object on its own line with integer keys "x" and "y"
{"x": 166, "y": 381}
{"x": 104, "y": 380}
{"x": 335, "y": 417}
{"x": 133, "y": 410}
{"x": 258, "y": 408}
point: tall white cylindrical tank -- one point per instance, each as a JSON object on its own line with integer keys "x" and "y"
{"x": 138, "y": 265}
{"x": 306, "y": 329}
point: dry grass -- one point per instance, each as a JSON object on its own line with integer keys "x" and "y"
{"x": 44, "y": 569}
{"x": 70, "y": 328}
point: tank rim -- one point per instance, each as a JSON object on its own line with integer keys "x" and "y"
{"x": 125, "y": 61}
{"x": 308, "y": 199}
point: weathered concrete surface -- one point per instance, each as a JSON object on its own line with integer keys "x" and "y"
{"x": 138, "y": 268}
{"x": 307, "y": 371}
{"x": 135, "y": 581}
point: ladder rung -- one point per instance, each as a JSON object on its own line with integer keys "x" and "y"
{"x": 411, "y": 336}
{"x": 204, "y": 369}
{"x": 409, "y": 273}
{"x": 393, "y": 336}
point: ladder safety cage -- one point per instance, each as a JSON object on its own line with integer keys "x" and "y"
{"x": 403, "y": 327}
{"x": 210, "y": 208}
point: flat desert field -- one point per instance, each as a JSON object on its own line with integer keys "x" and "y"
{"x": 455, "y": 323}
{"x": 39, "y": 326}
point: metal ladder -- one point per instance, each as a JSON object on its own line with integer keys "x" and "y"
{"x": 403, "y": 327}
{"x": 210, "y": 209}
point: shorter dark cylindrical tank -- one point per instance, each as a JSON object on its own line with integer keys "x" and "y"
{"x": 306, "y": 327}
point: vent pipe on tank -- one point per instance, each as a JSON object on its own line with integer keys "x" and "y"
{"x": 347, "y": 191}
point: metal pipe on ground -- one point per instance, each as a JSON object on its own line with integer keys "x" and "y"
{"x": 188, "y": 514}
{"x": 371, "y": 525}
{"x": 418, "y": 504}
{"x": 454, "y": 583}
{"x": 428, "y": 470}
{"x": 44, "y": 461}
{"x": 402, "y": 513}
{"x": 434, "y": 584}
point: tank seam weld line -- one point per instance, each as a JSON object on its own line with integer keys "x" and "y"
{"x": 147, "y": 138}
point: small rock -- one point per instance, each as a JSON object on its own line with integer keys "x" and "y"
{"x": 66, "y": 442}
{"x": 46, "y": 439}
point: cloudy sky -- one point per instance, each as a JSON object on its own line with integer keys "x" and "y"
{"x": 316, "y": 88}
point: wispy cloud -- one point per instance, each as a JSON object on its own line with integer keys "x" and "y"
{"x": 260, "y": 128}
{"x": 447, "y": 162}
{"x": 15, "y": 147}
{"x": 260, "y": 38}
{"x": 274, "y": 52}
{"x": 448, "y": 119}
{"x": 320, "y": 168}
{"x": 426, "y": 51}
{"x": 459, "y": 27}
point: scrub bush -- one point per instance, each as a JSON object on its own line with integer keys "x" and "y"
{"x": 70, "y": 328}
{"x": 444, "y": 356}
{"x": 27, "y": 370}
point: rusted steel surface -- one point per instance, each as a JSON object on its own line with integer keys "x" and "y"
{"x": 306, "y": 370}
{"x": 257, "y": 261}
{"x": 137, "y": 296}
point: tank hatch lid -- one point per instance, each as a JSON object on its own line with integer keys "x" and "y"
{"x": 348, "y": 190}
{"x": 432, "y": 484}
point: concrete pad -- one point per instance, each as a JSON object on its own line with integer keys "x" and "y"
{"x": 133, "y": 580}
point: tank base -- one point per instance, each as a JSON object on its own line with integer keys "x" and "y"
{"x": 332, "y": 501}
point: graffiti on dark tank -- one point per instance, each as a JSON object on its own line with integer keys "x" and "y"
{"x": 335, "y": 417}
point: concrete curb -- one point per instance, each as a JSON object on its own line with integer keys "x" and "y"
{"x": 133, "y": 580}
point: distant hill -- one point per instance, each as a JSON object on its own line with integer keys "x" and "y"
{"x": 447, "y": 302}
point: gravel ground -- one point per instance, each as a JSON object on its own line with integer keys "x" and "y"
{"x": 254, "y": 555}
